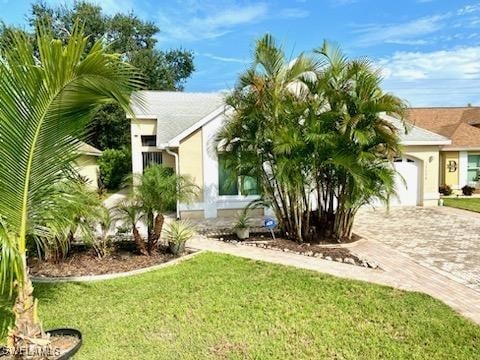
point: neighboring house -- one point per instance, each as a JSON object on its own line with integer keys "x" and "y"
{"x": 178, "y": 130}
{"x": 87, "y": 165}
{"x": 460, "y": 160}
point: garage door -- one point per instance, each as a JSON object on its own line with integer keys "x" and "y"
{"x": 406, "y": 182}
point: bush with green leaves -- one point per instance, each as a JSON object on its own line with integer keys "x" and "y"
{"x": 468, "y": 190}
{"x": 114, "y": 165}
{"x": 177, "y": 233}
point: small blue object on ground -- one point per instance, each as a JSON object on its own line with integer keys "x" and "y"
{"x": 270, "y": 224}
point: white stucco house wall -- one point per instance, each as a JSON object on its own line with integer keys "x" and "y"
{"x": 178, "y": 129}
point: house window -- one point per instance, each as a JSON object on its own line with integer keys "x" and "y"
{"x": 149, "y": 140}
{"x": 231, "y": 184}
{"x": 151, "y": 157}
{"x": 473, "y": 168}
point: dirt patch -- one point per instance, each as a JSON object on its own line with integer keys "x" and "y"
{"x": 81, "y": 262}
{"x": 265, "y": 235}
{"x": 227, "y": 349}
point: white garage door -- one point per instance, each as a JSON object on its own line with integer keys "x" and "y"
{"x": 406, "y": 182}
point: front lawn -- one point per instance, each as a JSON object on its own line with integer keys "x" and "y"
{"x": 472, "y": 204}
{"x": 223, "y": 307}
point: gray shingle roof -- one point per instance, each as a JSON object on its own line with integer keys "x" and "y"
{"x": 175, "y": 111}
{"x": 416, "y": 135}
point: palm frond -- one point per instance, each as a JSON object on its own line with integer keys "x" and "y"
{"x": 47, "y": 102}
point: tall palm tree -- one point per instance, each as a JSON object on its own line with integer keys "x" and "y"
{"x": 47, "y": 99}
{"x": 355, "y": 145}
{"x": 263, "y": 138}
{"x": 311, "y": 128}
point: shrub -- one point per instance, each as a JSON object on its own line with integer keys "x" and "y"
{"x": 468, "y": 190}
{"x": 114, "y": 165}
{"x": 177, "y": 233}
{"x": 445, "y": 190}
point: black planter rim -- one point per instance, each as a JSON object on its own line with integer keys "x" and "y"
{"x": 68, "y": 332}
{"x": 65, "y": 332}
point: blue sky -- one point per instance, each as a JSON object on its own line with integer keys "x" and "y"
{"x": 429, "y": 49}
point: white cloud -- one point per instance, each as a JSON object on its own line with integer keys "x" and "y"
{"x": 445, "y": 77}
{"x": 226, "y": 59}
{"x": 293, "y": 13}
{"x": 376, "y": 33}
{"x": 462, "y": 63}
{"x": 109, "y": 7}
{"x": 208, "y": 24}
{"x": 419, "y": 31}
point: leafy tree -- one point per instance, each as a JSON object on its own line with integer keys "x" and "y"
{"x": 125, "y": 34}
{"x": 114, "y": 166}
{"x": 47, "y": 103}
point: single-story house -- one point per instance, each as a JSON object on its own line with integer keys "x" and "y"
{"x": 460, "y": 160}
{"x": 87, "y": 165}
{"x": 178, "y": 129}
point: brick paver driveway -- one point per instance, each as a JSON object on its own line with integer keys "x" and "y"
{"x": 443, "y": 239}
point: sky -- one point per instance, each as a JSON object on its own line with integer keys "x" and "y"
{"x": 428, "y": 50}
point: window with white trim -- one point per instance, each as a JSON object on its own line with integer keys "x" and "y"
{"x": 233, "y": 185}
{"x": 473, "y": 168}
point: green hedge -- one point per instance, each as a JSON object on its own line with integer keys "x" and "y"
{"x": 114, "y": 165}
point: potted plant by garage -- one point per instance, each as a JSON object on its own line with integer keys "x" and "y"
{"x": 177, "y": 234}
{"x": 242, "y": 227}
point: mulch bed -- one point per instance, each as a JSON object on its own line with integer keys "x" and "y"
{"x": 82, "y": 261}
{"x": 323, "y": 249}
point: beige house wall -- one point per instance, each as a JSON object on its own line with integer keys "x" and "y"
{"x": 191, "y": 160}
{"x": 87, "y": 167}
{"x": 430, "y": 171}
{"x": 141, "y": 127}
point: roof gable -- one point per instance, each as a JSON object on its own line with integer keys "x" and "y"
{"x": 86, "y": 149}
{"x": 175, "y": 111}
{"x": 416, "y": 135}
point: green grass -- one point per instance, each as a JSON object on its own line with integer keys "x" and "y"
{"x": 223, "y": 307}
{"x": 472, "y": 204}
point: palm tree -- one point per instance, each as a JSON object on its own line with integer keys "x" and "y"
{"x": 158, "y": 191}
{"x": 263, "y": 138}
{"x": 355, "y": 145}
{"x": 71, "y": 209}
{"x": 311, "y": 128}
{"x": 130, "y": 212}
{"x": 47, "y": 99}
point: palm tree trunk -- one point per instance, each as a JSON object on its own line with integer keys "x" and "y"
{"x": 156, "y": 233}
{"x": 28, "y": 331}
{"x": 139, "y": 241}
{"x": 159, "y": 220}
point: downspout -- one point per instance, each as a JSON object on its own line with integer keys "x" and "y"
{"x": 177, "y": 171}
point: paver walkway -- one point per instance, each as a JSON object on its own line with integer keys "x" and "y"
{"x": 441, "y": 238}
{"x": 397, "y": 270}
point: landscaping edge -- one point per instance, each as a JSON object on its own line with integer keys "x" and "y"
{"x": 87, "y": 278}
